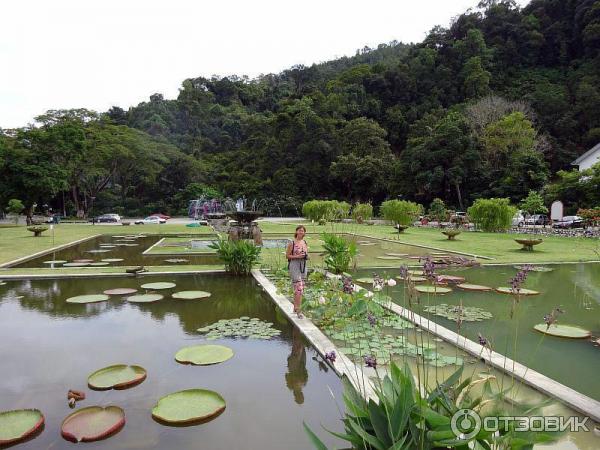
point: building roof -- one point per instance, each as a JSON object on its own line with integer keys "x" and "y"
{"x": 587, "y": 154}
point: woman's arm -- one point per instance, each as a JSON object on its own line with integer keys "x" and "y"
{"x": 288, "y": 252}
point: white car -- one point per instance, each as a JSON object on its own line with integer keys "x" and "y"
{"x": 518, "y": 220}
{"x": 150, "y": 220}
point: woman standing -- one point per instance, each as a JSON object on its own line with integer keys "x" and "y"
{"x": 297, "y": 254}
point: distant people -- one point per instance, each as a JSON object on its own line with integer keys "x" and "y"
{"x": 297, "y": 255}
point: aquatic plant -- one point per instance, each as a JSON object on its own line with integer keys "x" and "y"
{"x": 243, "y": 327}
{"x": 454, "y": 312}
{"x": 238, "y": 256}
{"x": 338, "y": 252}
{"x": 188, "y": 406}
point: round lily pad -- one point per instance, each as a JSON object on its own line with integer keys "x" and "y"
{"x": 119, "y": 376}
{"x": 417, "y": 272}
{"x": 387, "y": 257}
{"x": 92, "y": 423}
{"x": 473, "y": 287}
{"x": 433, "y": 289}
{"x": 109, "y": 260}
{"x": 161, "y": 285}
{"x": 522, "y": 291}
{"x": 19, "y": 424}
{"x": 99, "y": 264}
{"x": 145, "y": 298}
{"x": 414, "y": 279}
{"x": 188, "y": 406}
{"x": 191, "y": 295}
{"x": 367, "y": 243}
{"x": 54, "y": 261}
{"x": 203, "y": 355}
{"x": 565, "y": 331}
{"x": 454, "y": 279}
{"x": 98, "y": 250}
{"x": 120, "y": 291}
{"x": 76, "y": 264}
{"x": 83, "y": 261}
{"x": 176, "y": 260}
{"x": 107, "y": 246}
{"x": 93, "y": 298}
{"x": 364, "y": 280}
{"x": 397, "y": 255}
{"x": 131, "y": 245}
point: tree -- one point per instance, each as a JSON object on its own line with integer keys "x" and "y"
{"x": 493, "y": 214}
{"x": 15, "y": 206}
{"x": 437, "y": 210}
{"x": 401, "y": 212}
{"x": 534, "y": 203}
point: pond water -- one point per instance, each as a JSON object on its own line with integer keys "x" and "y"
{"x": 270, "y": 386}
{"x": 574, "y": 288}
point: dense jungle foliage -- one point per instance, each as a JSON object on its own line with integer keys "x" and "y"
{"x": 493, "y": 106}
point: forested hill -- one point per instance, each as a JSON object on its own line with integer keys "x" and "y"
{"x": 494, "y": 105}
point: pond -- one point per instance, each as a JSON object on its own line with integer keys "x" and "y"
{"x": 270, "y": 386}
{"x": 573, "y": 288}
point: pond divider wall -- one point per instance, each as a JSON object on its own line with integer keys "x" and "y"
{"x": 358, "y": 376}
{"x": 45, "y": 252}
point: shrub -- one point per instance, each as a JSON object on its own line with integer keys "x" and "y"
{"x": 362, "y": 212}
{"x": 15, "y": 206}
{"x": 591, "y": 216}
{"x": 492, "y": 214}
{"x": 325, "y": 209}
{"x": 339, "y": 253}
{"x": 238, "y": 256}
{"x": 437, "y": 210}
{"x": 401, "y": 212}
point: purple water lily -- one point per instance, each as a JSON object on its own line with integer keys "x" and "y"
{"x": 552, "y": 318}
{"x": 330, "y": 356}
{"x": 378, "y": 282}
{"x": 403, "y": 272}
{"x": 348, "y": 285}
{"x": 482, "y": 340}
{"x": 372, "y": 320}
{"x": 429, "y": 269}
{"x": 371, "y": 361}
{"x": 517, "y": 281}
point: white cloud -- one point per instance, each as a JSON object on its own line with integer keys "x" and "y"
{"x": 99, "y": 53}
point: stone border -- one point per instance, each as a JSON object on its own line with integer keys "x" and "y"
{"x": 570, "y": 397}
{"x": 359, "y": 378}
{"x": 147, "y": 251}
{"x": 45, "y": 252}
{"x": 103, "y": 275}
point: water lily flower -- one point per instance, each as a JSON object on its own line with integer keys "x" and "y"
{"x": 371, "y": 361}
{"x": 330, "y": 356}
{"x": 372, "y": 320}
{"x": 391, "y": 282}
{"x": 369, "y": 294}
{"x": 322, "y": 300}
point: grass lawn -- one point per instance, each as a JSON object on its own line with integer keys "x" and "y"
{"x": 16, "y": 242}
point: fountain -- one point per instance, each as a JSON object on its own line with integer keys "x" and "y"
{"x": 244, "y": 226}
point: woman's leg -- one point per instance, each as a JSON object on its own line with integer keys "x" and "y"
{"x": 298, "y": 290}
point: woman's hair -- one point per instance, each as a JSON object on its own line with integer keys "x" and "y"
{"x": 297, "y": 228}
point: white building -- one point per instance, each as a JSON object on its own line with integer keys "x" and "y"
{"x": 588, "y": 159}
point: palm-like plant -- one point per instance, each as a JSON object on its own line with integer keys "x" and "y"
{"x": 339, "y": 253}
{"x": 238, "y": 256}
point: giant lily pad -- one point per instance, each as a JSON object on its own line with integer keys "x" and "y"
{"x": 473, "y": 287}
{"x": 390, "y": 258}
{"x": 417, "y": 272}
{"x": 191, "y": 295}
{"x": 397, "y": 255}
{"x": 565, "y": 331}
{"x": 75, "y": 264}
{"x": 176, "y": 260}
{"x": 120, "y": 291}
{"x": 83, "y": 261}
{"x": 55, "y": 261}
{"x": 240, "y": 328}
{"x": 433, "y": 289}
{"x": 119, "y": 376}
{"x": 367, "y": 280}
{"x": 92, "y": 423}
{"x": 110, "y": 260}
{"x": 98, "y": 250}
{"x": 521, "y": 291}
{"x": 99, "y": 264}
{"x": 203, "y": 355}
{"x": 88, "y": 298}
{"x": 452, "y": 279}
{"x": 145, "y": 298}
{"x": 157, "y": 286}
{"x": 188, "y": 406}
{"x": 19, "y": 424}
{"x": 414, "y": 279}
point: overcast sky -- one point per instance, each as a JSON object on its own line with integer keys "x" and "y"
{"x": 98, "y": 53}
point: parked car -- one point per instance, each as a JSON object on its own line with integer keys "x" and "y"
{"x": 537, "y": 219}
{"x": 518, "y": 219}
{"x": 150, "y": 220}
{"x": 108, "y": 218}
{"x": 162, "y": 216}
{"x": 569, "y": 222}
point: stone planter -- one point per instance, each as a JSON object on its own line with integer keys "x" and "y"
{"x": 451, "y": 234}
{"x": 528, "y": 243}
{"x": 37, "y": 230}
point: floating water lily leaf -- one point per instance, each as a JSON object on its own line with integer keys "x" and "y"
{"x": 107, "y": 246}
{"x": 92, "y": 423}
{"x": 19, "y": 424}
{"x": 367, "y": 243}
{"x": 455, "y": 312}
{"x": 76, "y": 264}
{"x": 417, "y": 272}
{"x": 433, "y": 289}
{"x": 188, "y": 406}
{"x": 118, "y": 376}
{"x": 367, "y": 280}
{"x": 202, "y": 355}
{"x": 243, "y": 327}
{"x": 120, "y": 291}
{"x": 131, "y": 245}
{"x": 99, "y": 250}
{"x": 145, "y": 298}
{"x": 98, "y": 264}
{"x": 473, "y": 287}
{"x": 83, "y": 260}
{"x": 397, "y": 255}
{"x": 454, "y": 279}
{"x": 160, "y": 285}
{"x": 387, "y": 257}
{"x": 93, "y": 298}
{"x": 565, "y": 331}
{"x": 191, "y": 295}
{"x": 522, "y": 291}
{"x": 534, "y": 268}
{"x": 414, "y": 279}
{"x": 176, "y": 260}
{"x": 109, "y": 260}
{"x": 54, "y": 261}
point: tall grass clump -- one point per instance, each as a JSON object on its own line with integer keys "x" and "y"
{"x": 238, "y": 256}
{"x": 492, "y": 214}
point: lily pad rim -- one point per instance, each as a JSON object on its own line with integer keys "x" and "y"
{"x": 30, "y": 432}
{"x": 107, "y": 433}
{"x": 122, "y": 385}
{"x": 192, "y": 420}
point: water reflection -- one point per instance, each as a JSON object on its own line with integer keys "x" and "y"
{"x": 296, "y": 376}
